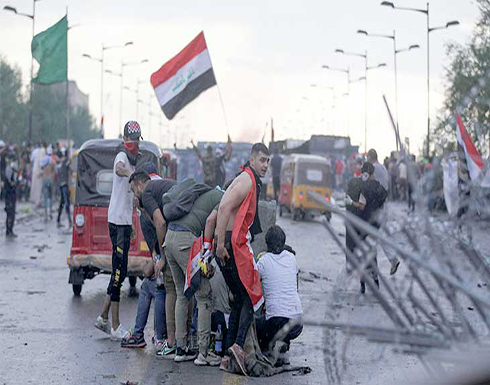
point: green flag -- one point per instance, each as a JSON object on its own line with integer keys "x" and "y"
{"x": 50, "y": 49}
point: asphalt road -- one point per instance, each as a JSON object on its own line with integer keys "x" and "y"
{"x": 49, "y": 337}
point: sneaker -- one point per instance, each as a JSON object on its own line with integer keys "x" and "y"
{"x": 133, "y": 341}
{"x": 182, "y": 355}
{"x": 167, "y": 351}
{"x": 103, "y": 325}
{"x": 201, "y": 360}
{"x": 58, "y": 224}
{"x": 133, "y": 292}
{"x": 394, "y": 266}
{"x": 159, "y": 344}
{"x": 119, "y": 334}
{"x": 225, "y": 364}
{"x": 238, "y": 355}
{"x": 211, "y": 359}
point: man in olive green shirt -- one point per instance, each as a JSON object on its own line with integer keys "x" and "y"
{"x": 178, "y": 242}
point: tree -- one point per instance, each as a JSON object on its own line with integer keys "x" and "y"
{"x": 13, "y": 109}
{"x": 470, "y": 63}
{"x": 49, "y": 112}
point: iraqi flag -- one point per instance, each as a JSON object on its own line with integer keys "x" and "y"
{"x": 192, "y": 274}
{"x": 242, "y": 249}
{"x": 184, "y": 77}
{"x": 474, "y": 161}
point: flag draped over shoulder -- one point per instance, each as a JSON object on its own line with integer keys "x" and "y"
{"x": 242, "y": 249}
{"x": 474, "y": 161}
{"x": 183, "y": 78}
{"x": 50, "y": 49}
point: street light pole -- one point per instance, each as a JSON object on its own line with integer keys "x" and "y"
{"x": 101, "y": 61}
{"x": 122, "y": 85}
{"x": 428, "y": 82}
{"x": 429, "y": 30}
{"x": 346, "y": 71}
{"x": 366, "y": 69}
{"x": 395, "y": 52}
{"x": 365, "y": 100}
{"x": 33, "y": 18}
{"x": 32, "y": 70}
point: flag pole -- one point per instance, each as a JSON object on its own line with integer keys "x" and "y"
{"x": 67, "y": 101}
{"x": 219, "y": 91}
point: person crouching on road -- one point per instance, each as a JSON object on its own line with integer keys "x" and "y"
{"x": 282, "y": 320}
{"x": 152, "y": 286}
{"x": 120, "y": 217}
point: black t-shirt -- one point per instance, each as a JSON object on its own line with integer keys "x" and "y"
{"x": 152, "y": 196}
{"x": 276, "y": 164}
{"x": 375, "y": 196}
{"x": 354, "y": 189}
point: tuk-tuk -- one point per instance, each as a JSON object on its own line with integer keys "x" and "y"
{"x": 300, "y": 174}
{"x": 91, "y": 249}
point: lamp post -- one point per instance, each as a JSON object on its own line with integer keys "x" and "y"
{"x": 101, "y": 61}
{"x": 8, "y": 8}
{"x": 347, "y": 72}
{"x": 330, "y": 88}
{"x": 123, "y": 64}
{"x": 395, "y": 52}
{"x": 429, "y": 30}
{"x": 366, "y": 69}
{"x": 138, "y": 82}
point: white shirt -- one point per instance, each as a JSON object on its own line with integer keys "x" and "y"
{"x": 278, "y": 273}
{"x": 381, "y": 175}
{"x": 121, "y": 203}
{"x": 402, "y": 171}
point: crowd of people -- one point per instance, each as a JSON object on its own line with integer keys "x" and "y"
{"x": 199, "y": 236}
{"x": 37, "y": 174}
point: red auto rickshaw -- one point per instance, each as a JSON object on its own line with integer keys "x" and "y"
{"x": 91, "y": 249}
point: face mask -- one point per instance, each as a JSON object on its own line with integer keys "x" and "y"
{"x": 364, "y": 176}
{"x": 132, "y": 147}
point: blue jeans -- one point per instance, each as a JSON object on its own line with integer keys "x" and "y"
{"x": 47, "y": 196}
{"x": 148, "y": 291}
{"x": 64, "y": 202}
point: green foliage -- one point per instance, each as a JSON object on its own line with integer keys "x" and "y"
{"x": 13, "y": 109}
{"x": 469, "y": 64}
{"x": 49, "y": 112}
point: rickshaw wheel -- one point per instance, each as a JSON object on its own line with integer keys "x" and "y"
{"x": 77, "y": 289}
{"x": 296, "y": 214}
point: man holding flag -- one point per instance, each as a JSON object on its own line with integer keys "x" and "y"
{"x": 238, "y": 222}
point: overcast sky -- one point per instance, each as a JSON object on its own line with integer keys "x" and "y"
{"x": 265, "y": 54}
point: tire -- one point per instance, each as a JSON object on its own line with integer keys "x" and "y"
{"x": 328, "y": 216}
{"x": 296, "y": 214}
{"x": 77, "y": 289}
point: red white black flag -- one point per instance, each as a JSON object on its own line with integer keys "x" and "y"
{"x": 474, "y": 161}
{"x": 183, "y": 78}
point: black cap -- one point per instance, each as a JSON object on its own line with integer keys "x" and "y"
{"x": 132, "y": 130}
